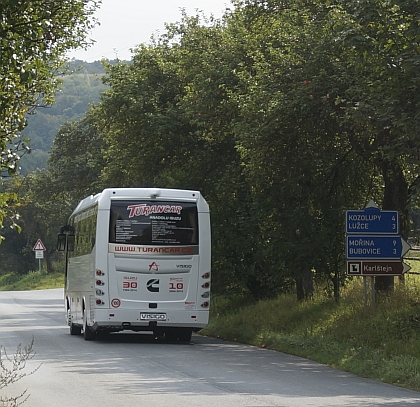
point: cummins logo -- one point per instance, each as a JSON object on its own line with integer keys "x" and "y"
{"x": 153, "y": 285}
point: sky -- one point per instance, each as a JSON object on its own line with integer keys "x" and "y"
{"x": 127, "y": 23}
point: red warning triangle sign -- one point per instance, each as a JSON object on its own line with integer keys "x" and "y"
{"x": 39, "y": 245}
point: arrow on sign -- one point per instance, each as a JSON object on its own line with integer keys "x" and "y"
{"x": 376, "y": 268}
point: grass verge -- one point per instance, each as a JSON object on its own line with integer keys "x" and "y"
{"x": 32, "y": 281}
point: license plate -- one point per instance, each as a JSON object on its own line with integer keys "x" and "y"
{"x": 148, "y": 316}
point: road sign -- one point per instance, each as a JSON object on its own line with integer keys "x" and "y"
{"x": 39, "y": 245}
{"x": 372, "y": 220}
{"x": 376, "y": 247}
{"x": 39, "y": 254}
{"x": 376, "y": 268}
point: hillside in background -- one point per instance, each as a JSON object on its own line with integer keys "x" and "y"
{"x": 79, "y": 89}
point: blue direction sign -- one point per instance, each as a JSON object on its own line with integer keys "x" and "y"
{"x": 372, "y": 220}
{"x": 376, "y": 247}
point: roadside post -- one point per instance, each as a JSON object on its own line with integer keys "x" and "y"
{"x": 373, "y": 245}
{"x": 39, "y": 249}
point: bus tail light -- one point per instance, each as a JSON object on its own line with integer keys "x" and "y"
{"x": 99, "y": 302}
{"x": 100, "y": 273}
{"x": 206, "y": 275}
{"x": 206, "y": 285}
{"x": 99, "y": 282}
{"x": 206, "y": 294}
{"x": 205, "y": 304}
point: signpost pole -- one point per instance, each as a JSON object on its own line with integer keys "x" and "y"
{"x": 372, "y": 288}
{"x": 365, "y": 292}
{"x": 39, "y": 249}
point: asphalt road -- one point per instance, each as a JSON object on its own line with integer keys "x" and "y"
{"x": 137, "y": 370}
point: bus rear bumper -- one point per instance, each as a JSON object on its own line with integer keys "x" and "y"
{"x": 148, "y": 320}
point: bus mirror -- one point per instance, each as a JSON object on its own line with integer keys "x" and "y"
{"x": 65, "y": 241}
{"x": 61, "y": 242}
{"x": 70, "y": 243}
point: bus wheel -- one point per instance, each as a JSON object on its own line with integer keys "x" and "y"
{"x": 181, "y": 335}
{"x": 185, "y": 335}
{"x": 88, "y": 332}
{"x": 171, "y": 336}
{"x": 102, "y": 334}
{"x": 75, "y": 329}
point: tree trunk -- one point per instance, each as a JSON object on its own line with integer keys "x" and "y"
{"x": 304, "y": 285}
{"x": 48, "y": 262}
{"x": 336, "y": 282}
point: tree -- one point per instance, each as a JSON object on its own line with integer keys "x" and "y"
{"x": 223, "y": 124}
{"x": 41, "y": 214}
{"x": 48, "y": 196}
{"x": 330, "y": 88}
{"x": 292, "y": 152}
{"x": 378, "y": 44}
{"x": 34, "y": 38}
{"x": 167, "y": 120}
{"x": 76, "y": 160}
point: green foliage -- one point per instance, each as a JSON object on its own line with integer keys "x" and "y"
{"x": 81, "y": 87}
{"x": 35, "y": 35}
{"x": 8, "y": 204}
{"x": 34, "y": 38}
{"x": 78, "y": 91}
{"x": 378, "y": 47}
{"x": 43, "y": 210}
{"x": 16, "y": 252}
{"x": 76, "y": 161}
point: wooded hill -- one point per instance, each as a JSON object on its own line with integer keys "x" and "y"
{"x": 283, "y": 114}
{"x": 81, "y": 86}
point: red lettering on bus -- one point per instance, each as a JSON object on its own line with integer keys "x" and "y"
{"x": 147, "y": 210}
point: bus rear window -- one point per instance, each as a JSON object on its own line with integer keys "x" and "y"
{"x": 148, "y": 222}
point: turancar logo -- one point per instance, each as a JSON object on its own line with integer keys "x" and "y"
{"x": 146, "y": 210}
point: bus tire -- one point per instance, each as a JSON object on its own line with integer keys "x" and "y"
{"x": 88, "y": 333}
{"x": 75, "y": 329}
{"x": 185, "y": 335}
{"x": 102, "y": 334}
{"x": 171, "y": 336}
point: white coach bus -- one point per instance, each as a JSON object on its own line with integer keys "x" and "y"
{"x": 138, "y": 259}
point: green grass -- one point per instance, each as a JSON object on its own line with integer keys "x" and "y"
{"x": 32, "y": 281}
{"x": 381, "y": 342}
